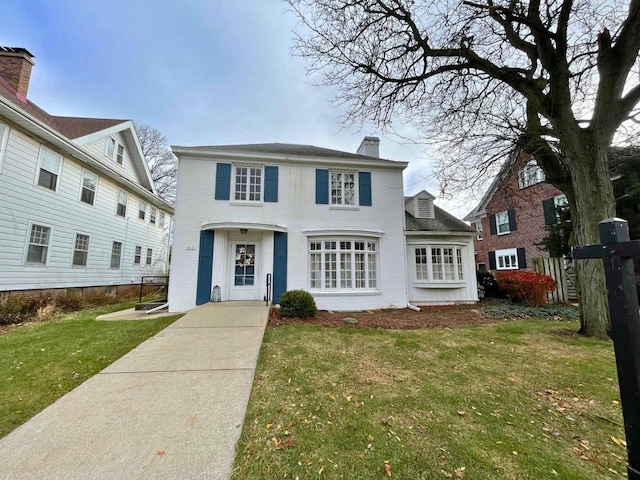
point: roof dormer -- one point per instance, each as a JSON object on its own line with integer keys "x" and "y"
{"x": 420, "y": 205}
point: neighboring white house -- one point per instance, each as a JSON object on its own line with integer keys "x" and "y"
{"x": 257, "y": 220}
{"x": 79, "y": 208}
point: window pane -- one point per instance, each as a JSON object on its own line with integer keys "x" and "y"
{"x": 345, "y": 270}
{"x": 361, "y": 281}
{"x": 449, "y": 272}
{"x": 37, "y": 254}
{"x": 116, "y": 253}
{"x": 149, "y": 256}
{"x": 47, "y": 179}
{"x": 437, "y": 264}
{"x": 120, "y": 155}
{"x": 330, "y": 274}
{"x": 111, "y": 147}
{"x": 459, "y": 263}
{"x": 372, "y": 270}
{"x": 315, "y": 280}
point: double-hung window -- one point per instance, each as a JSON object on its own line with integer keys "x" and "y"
{"x": 142, "y": 210}
{"x": 248, "y": 183}
{"x": 530, "y": 174}
{"x": 137, "y": 255}
{"x": 49, "y": 169}
{"x": 439, "y": 263}
{"x": 89, "y": 186}
{"x": 115, "y": 151}
{"x": 342, "y": 188}
{"x": 161, "y": 220}
{"x": 479, "y": 230}
{"x": 121, "y": 210}
{"x": 149, "y": 256}
{"x": 343, "y": 264}
{"x": 39, "y": 238}
{"x": 502, "y": 223}
{"x": 80, "y": 250}
{"x": 153, "y": 211}
{"x": 116, "y": 255}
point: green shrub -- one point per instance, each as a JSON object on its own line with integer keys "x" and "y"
{"x": 489, "y": 284}
{"x": 524, "y": 286}
{"x": 297, "y": 304}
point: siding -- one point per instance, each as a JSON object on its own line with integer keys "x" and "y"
{"x": 98, "y": 148}
{"x": 22, "y": 203}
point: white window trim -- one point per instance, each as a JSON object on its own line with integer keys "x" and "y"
{"x": 148, "y": 259}
{"x": 119, "y": 267}
{"x": 135, "y": 254}
{"x": 73, "y": 249}
{"x": 141, "y": 204}
{"x": 4, "y": 141}
{"x": 337, "y": 290}
{"x": 536, "y": 177}
{"x": 430, "y": 281}
{"x": 234, "y": 200}
{"x": 114, "y": 157}
{"x": 28, "y": 242}
{"x": 125, "y": 204}
{"x": 58, "y": 173}
{"x": 506, "y": 213}
{"x": 479, "y": 232}
{"x": 95, "y": 192}
{"x": 161, "y": 218}
{"x": 507, "y": 252}
{"x": 356, "y": 193}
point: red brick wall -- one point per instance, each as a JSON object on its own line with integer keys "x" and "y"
{"x": 530, "y": 226}
{"x": 17, "y": 71}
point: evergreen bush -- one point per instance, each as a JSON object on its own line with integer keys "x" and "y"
{"x": 297, "y": 304}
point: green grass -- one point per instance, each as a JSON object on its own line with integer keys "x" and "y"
{"x": 515, "y": 400}
{"x": 40, "y": 362}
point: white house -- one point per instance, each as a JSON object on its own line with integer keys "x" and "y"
{"x": 257, "y": 220}
{"x": 79, "y": 205}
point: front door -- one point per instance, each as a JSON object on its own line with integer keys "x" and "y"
{"x": 244, "y": 283}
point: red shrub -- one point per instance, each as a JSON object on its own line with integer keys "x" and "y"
{"x": 524, "y": 286}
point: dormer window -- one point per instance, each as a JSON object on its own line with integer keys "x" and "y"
{"x": 421, "y": 206}
{"x": 530, "y": 175}
{"x": 115, "y": 151}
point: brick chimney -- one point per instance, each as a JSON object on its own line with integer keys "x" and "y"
{"x": 15, "y": 68}
{"x": 370, "y": 146}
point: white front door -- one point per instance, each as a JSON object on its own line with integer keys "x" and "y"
{"x": 244, "y": 282}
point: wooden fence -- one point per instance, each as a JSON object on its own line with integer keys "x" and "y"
{"x": 563, "y": 273}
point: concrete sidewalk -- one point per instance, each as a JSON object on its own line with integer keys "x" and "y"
{"x": 172, "y": 408}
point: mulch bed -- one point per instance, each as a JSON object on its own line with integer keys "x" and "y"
{"x": 397, "y": 319}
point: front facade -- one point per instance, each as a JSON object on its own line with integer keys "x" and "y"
{"x": 79, "y": 205}
{"x": 256, "y": 220}
{"x": 511, "y": 219}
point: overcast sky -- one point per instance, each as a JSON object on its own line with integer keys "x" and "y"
{"x": 213, "y": 72}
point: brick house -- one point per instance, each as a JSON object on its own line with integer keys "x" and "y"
{"x": 510, "y": 219}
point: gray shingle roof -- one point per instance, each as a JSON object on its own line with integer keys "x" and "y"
{"x": 443, "y": 222}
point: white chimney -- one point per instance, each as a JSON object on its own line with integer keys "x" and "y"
{"x": 370, "y": 147}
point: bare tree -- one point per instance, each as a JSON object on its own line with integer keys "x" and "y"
{"x": 162, "y": 163}
{"x": 558, "y": 77}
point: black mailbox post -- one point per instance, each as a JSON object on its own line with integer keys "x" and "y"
{"x": 617, "y": 253}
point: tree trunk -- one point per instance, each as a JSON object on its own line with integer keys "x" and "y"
{"x": 593, "y": 201}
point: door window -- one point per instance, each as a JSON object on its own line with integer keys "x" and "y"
{"x": 245, "y": 264}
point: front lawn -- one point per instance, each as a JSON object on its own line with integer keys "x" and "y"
{"x": 514, "y": 400}
{"x": 41, "y": 362}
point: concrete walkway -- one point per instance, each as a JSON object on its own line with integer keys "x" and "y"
{"x": 172, "y": 408}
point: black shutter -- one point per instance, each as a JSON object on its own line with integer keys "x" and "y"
{"x": 549, "y": 208}
{"x": 492, "y": 225}
{"x": 522, "y": 258}
{"x": 492, "y": 260}
{"x": 512, "y": 220}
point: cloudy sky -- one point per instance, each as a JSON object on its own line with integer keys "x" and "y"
{"x": 202, "y": 72}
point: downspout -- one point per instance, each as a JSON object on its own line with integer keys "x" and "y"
{"x": 413, "y": 307}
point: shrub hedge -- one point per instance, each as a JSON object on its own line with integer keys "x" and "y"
{"x": 297, "y": 304}
{"x": 524, "y": 286}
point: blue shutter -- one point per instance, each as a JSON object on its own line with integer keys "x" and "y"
{"x": 364, "y": 186}
{"x": 322, "y": 186}
{"x": 270, "y": 184}
{"x": 223, "y": 181}
{"x": 205, "y": 267}
{"x": 279, "y": 265}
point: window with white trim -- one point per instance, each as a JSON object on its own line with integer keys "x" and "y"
{"x": 248, "y": 183}
{"x": 479, "y": 230}
{"x": 116, "y": 255}
{"x": 439, "y": 263}
{"x": 89, "y": 186}
{"x": 4, "y": 138}
{"x": 161, "y": 220}
{"x": 507, "y": 259}
{"x": 530, "y": 174}
{"x": 80, "y": 250}
{"x": 502, "y": 223}
{"x": 49, "y": 169}
{"x": 142, "y": 210}
{"x": 115, "y": 151}
{"x": 343, "y": 265}
{"x": 153, "y": 211}
{"x": 137, "y": 255}
{"x": 149, "y": 256}
{"x": 123, "y": 196}
{"x": 342, "y": 188}
{"x": 39, "y": 238}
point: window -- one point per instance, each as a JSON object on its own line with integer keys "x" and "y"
{"x": 343, "y": 188}
{"x": 161, "y": 220}
{"x": 439, "y": 264}
{"x": 137, "y": 255}
{"x": 123, "y": 196}
{"x": 80, "y": 250}
{"x": 530, "y": 175}
{"x": 50, "y": 163}
{"x": 481, "y": 267}
{"x": 479, "y": 229}
{"x": 38, "y": 245}
{"x": 343, "y": 264}
{"x": 115, "y": 151}
{"x": 152, "y": 214}
{"x": 142, "y": 210}
{"x": 502, "y": 223}
{"x": 149, "y": 256}
{"x": 507, "y": 259}
{"x": 116, "y": 254}
{"x": 89, "y": 185}
{"x": 4, "y": 135}
{"x": 248, "y": 183}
